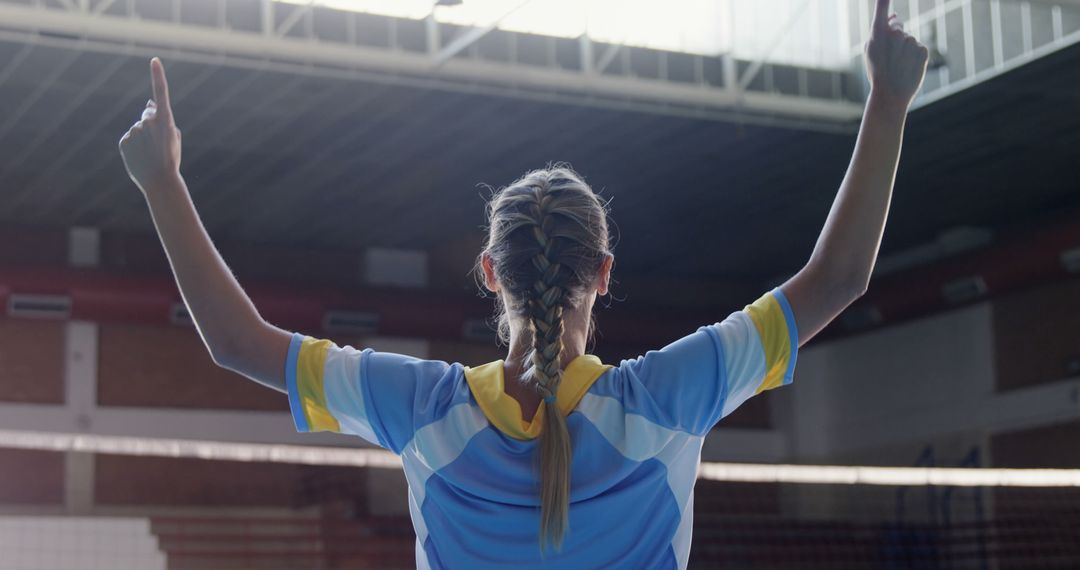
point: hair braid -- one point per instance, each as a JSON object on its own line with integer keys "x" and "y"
{"x": 546, "y": 304}
{"x": 547, "y": 242}
{"x": 545, "y": 308}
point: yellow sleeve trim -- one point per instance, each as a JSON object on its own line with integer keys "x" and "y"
{"x": 310, "y": 367}
{"x": 768, "y": 318}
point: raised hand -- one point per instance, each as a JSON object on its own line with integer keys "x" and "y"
{"x": 895, "y": 61}
{"x": 151, "y": 147}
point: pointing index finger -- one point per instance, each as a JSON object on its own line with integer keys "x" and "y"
{"x": 881, "y": 15}
{"x": 160, "y": 87}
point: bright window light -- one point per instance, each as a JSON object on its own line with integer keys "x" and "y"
{"x": 750, "y": 28}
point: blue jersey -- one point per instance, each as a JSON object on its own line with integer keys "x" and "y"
{"x": 471, "y": 460}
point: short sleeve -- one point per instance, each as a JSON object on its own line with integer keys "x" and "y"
{"x": 760, "y": 345}
{"x": 373, "y": 395}
{"x": 692, "y": 383}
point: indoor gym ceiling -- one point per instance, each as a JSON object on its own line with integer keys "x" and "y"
{"x": 299, "y": 160}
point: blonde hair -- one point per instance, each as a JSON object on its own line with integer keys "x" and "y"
{"x": 547, "y": 239}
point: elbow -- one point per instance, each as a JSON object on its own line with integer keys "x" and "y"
{"x": 845, "y": 284}
{"x": 244, "y": 349}
{"x": 858, "y": 289}
{"x": 223, "y": 359}
{"x": 852, "y": 291}
{"x": 850, "y": 287}
{"x": 225, "y": 353}
{"x": 230, "y": 348}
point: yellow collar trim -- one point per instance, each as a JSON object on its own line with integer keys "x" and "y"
{"x": 504, "y": 412}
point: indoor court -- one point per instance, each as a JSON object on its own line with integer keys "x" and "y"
{"x": 348, "y": 159}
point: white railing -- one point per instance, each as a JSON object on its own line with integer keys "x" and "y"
{"x": 377, "y": 458}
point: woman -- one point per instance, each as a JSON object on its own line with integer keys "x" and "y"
{"x": 571, "y": 463}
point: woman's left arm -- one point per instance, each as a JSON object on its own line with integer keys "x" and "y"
{"x": 839, "y": 269}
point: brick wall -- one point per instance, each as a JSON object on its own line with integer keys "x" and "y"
{"x": 165, "y": 481}
{"x": 31, "y": 477}
{"x": 31, "y": 361}
{"x": 168, "y": 367}
{"x": 1036, "y": 332}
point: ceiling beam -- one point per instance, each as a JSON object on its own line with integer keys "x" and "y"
{"x": 400, "y": 67}
{"x": 298, "y": 13}
{"x": 775, "y": 42}
{"x": 466, "y": 39}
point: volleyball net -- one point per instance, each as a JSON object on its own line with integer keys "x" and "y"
{"x": 746, "y": 515}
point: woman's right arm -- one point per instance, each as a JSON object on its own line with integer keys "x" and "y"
{"x": 230, "y": 326}
{"x": 839, "y": 269}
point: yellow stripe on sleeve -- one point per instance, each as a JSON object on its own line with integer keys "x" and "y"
{"x": 310, "y": 366}
{"x": 772, "y": 328}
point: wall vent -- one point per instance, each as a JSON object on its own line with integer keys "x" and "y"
{"x": 84, "y": 247}
{"x": 350, "y": 322}
{"x": 39, "y": 306}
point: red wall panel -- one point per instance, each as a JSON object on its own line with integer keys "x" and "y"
{"x": 168, "y": 367}
{"x": 166, "y": 481}
{"x": 1036, "y": 333}
{"x": 23, "y": 246}
{"x": 31, "y": 477}
{"x": 31, "y": 361}
{"x": 1053, "y": 446}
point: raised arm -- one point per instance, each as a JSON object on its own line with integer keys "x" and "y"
{"x": 839, "y": 269}
{"x": 229, "y": 324}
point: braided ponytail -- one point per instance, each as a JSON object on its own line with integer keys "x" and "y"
{"x": 547, "y": 240}
{"x": 544, "y": 365}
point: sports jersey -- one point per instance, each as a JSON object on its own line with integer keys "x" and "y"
{"x": 471, "y": 460}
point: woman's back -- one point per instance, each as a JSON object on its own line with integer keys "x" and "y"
{"x": 470, "y": 460}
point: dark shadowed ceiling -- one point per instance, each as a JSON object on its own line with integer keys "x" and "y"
{"x": 273, "y": 158}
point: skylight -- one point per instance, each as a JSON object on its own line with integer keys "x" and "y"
{"x": 809, "y": 33}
